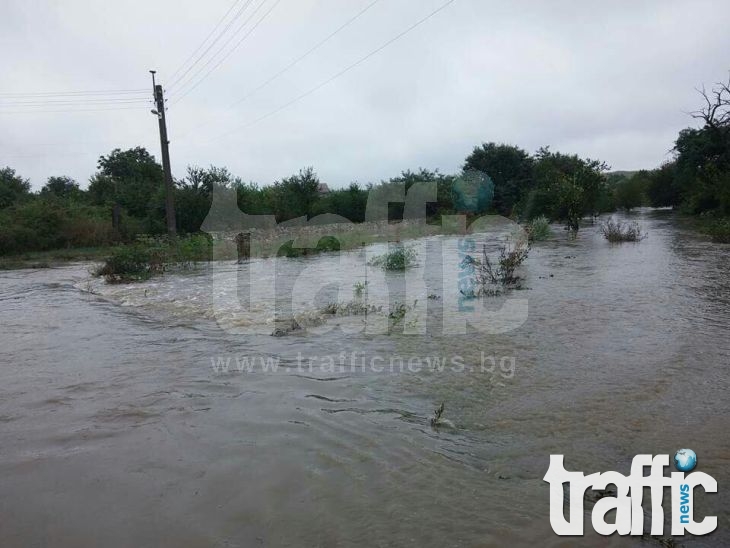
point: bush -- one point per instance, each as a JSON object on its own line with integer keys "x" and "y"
{"x": 538, "y": 229}
{"x": 328, "y": 243}
{"x": 617, "y": 231}
{"x": 488, "y": 275}
{"x": 130, "y": 263}
{"x": 719, "y": 230}
{"x": 401, "y": 258}
{"x": 150, "y": 255}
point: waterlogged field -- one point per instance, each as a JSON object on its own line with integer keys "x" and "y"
{"x": 166, "y": 413}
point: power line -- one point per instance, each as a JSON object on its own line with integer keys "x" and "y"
{"x": 338, "y": 74}
{"x": 13, "y": 103}
{"x": 218, "y": 24}
{"x": 294, "y": 62}
{"x": 213, "y": 43}
{"x": 30, "y": 111}
{"x": 73, "y": 93}
{"x": 228, "y": 54}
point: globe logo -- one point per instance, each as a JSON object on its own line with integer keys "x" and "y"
{"x": 685, "y": 460}
{"x": 472, "y": 192}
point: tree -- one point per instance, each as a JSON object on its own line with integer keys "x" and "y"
{"x": 295, "y": 196}
{"x": 61, "y": 187}
{"x": 131, "y": 178}
{"x": 193, "y": 194}
{"x": 630, "y": 192}
{"x": 566, "y": 187}
{"x": 13, "y": 188}
{"x": 509, "y": 167}
{"x": 702, "y": 166}
{"x": 663, "y": 189}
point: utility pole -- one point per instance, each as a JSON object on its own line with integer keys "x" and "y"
{"x": 169, "y": 188}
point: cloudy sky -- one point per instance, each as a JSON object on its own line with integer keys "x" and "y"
{"x": 607, "y": 80}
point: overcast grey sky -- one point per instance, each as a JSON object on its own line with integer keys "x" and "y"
{"x": 608, "y": 80}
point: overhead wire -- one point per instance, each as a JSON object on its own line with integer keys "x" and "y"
{"x": 237, "y": 15}
{"x": 227, "y": 54}
{"x": 338, "y": 74}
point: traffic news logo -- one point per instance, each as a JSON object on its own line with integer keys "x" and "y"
{"x": 629, "y": 518}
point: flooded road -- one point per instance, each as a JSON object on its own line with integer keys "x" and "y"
{"x": 119, "y": 425}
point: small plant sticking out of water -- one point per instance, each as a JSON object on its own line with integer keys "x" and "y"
{"x": 491, "y": 278}
{"x": 438, "y": 421}
{"x": 353, "y": 308}
{"x": 399, "y": 310}
{"x": 359, "y": 289}
{"x": 538, "y": 229}
{"x": 400, "y": 258}
{"x": 616, "y": 231}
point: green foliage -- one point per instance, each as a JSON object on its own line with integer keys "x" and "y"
{"x": 538, "y": 229}
{"x": 61, "y": 187}
{"x": 295, "y": 196}
{"x": 131, "y": 178}
{"x": 13, "y": 188}
{"x": 718, "y": 229}
{"x": 400, "y": 258}
{"x": 130, "y": 263}
{"x": 487, "y": 274}
{"x": 509, "y": 167}
{"x": 566, "y": 187}
{"x": 630, "y": 192}
{"x": 350, "y": 203}
{"x": 616, "y": 231}
{"x": 325, "y": 244}
{"x": 150, "y": 255}
{"x": 39, "y": 224}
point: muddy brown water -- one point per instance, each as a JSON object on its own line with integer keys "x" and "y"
{"x": 116, "y": 430}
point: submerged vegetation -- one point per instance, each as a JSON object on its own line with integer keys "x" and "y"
{"x": 149, "y": 257}
{"x": 538, "y": 229}
{"x": 490, "y": 278}
{"x": 718, "y": 229}
{"x": 616, "y": 231}
{"x": 400, "y": 258}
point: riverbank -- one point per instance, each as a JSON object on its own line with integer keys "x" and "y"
{"x": 54, "y": 257}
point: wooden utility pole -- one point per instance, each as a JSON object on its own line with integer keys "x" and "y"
{"x": 169, "y": 187}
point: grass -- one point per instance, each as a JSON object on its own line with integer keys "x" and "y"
{"x": 617, "y": 231}
{"x": 400, "y": 258}
{"x": 538, "y": 229}
{"x": 718, "y": 229}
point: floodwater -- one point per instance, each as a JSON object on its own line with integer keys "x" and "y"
{"x": 116, "y": 429}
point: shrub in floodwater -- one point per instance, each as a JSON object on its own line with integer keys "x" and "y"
{"x": 400, "y": 258}
{"x": 719, "y": 230}
{"x": 149, "y": 256}
{"x": 538, "y": 229}
{"x": 358, "y": 289}
{"x": 328, "y": 243}
{"x": 132, "y": 263}
{"x": 490, "y": 276}
{"x": 617, "y": 231}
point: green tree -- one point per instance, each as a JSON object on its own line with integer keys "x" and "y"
{"x": 509, "y": 167}
{"x": 630, "y": 192}
{"x": 13, "y": 188}
{"x": 295, "y": 196}
{"x": 131, "y": 178}
{"x": 193, "y": 195}
{"x": 61, "y": 187}
{"x": 566, "y": 187}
